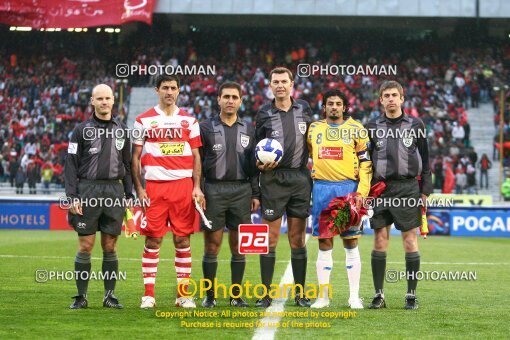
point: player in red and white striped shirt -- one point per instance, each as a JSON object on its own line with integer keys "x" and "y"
{"x": 171, "y": 138}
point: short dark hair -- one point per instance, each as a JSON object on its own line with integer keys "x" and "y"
{"x": 281, "y": 70}
{"x": 230, "y": 85}
{"x": 391, "y": 84}
{"x": 165, "y": 77}
{"x": 335, "y": 93}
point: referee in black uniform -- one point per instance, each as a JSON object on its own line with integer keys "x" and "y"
{"x": 231, "y": 185}
{"x": 399, "y": 153}
{"x": 285, "y": 186}
{"x": 98, "y": 168}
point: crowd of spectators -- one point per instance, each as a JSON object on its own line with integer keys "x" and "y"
{"x": 43, "y": 97}
{"x": 506, "y": 129}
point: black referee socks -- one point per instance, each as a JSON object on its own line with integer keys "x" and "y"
{"x": 209, "y": 267}
{"x": 412, "y": 267}
{"x": 378, "y": 270}
{"x": 298, "y": 260}
{"x": 237, "y": 266}
{"x": 82, "y": 264}
{"x": 110, "y": 271}
{"x": 267, "y": 262}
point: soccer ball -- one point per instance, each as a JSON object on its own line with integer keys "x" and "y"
{"x": 269, "y": 150}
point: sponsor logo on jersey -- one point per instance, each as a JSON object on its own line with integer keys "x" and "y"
{"x": 171, "y": 148}
{"x": 331, "y": 152}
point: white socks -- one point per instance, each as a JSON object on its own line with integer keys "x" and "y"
{"x": 324, "y": 266}
{"x": 353, "y": 266}
{"x": 352, "y": 263}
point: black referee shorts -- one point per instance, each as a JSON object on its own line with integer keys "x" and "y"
{"x": 228, "y": 204}
{"x": 96, "y": 215}
{"x": 400, "y": 206}
{"x": 285, "y": 190}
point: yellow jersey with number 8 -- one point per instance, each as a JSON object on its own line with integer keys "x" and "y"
{"x": 340, "y": 152}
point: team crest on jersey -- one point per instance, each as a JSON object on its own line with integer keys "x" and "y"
{"x": 332, "y": 134}
{"x": 302, "y": 127}
{"x": 154, "y": 124}
{"x": 185, "y": 124}
{"x": 407, "y": 141}
{"x": 346, "y": 140}
{"x": 245, "y": 140}
{"x": 275, "y": 134}
{"x": 119, "y": 143}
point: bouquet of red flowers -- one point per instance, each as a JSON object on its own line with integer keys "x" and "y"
{"x": 342, "y": 214}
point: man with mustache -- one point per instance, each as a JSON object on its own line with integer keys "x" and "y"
{"x": 341, "y": 165}
{"x": 231, "y": 186}
{"x": 171, "y": 138}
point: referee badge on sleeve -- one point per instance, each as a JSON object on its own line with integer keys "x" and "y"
{"x": 245, "y": 140}
{"x": 119, "y": 143}
{"x": 72, "y": 148}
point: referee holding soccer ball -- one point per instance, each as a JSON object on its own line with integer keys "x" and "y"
{"x": 285, "y": 186}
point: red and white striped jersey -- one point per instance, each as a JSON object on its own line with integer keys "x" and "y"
{"x": 168, "y": 141}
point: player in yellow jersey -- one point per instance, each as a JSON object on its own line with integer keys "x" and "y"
{"x": 341, "y": 165}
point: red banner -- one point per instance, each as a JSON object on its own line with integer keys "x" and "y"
{"x": 75, "y": 13}
{"x": 58, "y": 218}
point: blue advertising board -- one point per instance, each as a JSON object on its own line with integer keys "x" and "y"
{"x": 488, "y": 222}
{"x": 479, "y": 221}
{"x": 24, "y": 216}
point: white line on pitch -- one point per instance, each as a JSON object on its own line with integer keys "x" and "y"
{"x": 278, "y": 305}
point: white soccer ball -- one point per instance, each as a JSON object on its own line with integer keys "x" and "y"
{"x": 269, "y": 150}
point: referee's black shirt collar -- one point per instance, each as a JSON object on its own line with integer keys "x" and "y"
{"x": 275, "y": 109}
{"x": 97, "y": 120}
{"x": 217, "y": 120}
{"x": 403, "y": 117}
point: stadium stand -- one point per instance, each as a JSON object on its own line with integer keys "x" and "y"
{"x": 43, "y": 97}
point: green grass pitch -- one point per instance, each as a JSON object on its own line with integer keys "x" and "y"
{"x": 453, "y": 309}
